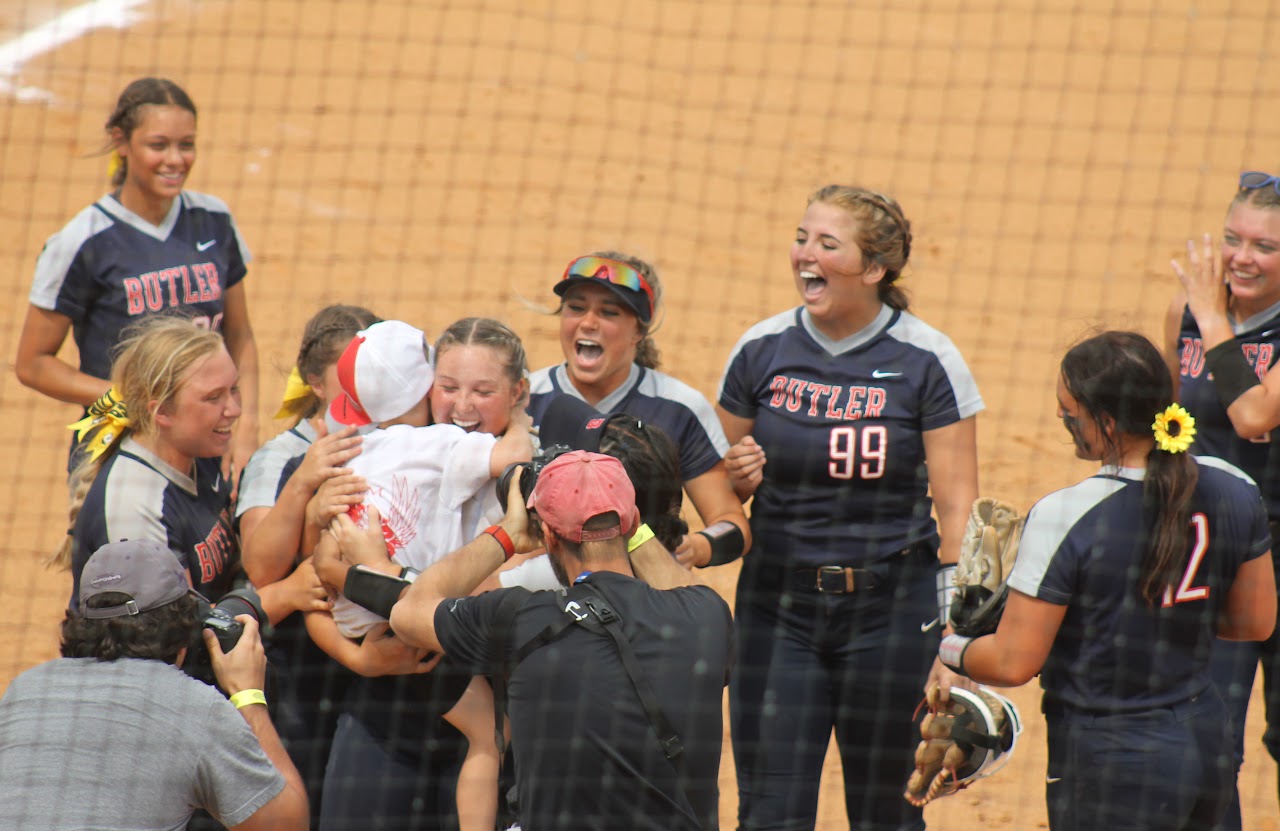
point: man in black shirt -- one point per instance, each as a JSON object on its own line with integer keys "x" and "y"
{"x": 615, "y": 712}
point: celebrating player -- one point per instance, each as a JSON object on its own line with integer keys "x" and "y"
{"x": 156, "y": 473}
{"x": 433, "y": 488}
{"x": 1221, "y": 338}
{"x": 609, "y": 302}
{"x": 148, "y": 247}
{"x": 275, "y": 488}
{"x": 1121, "y": 584}
{"x": 861, "y": 410}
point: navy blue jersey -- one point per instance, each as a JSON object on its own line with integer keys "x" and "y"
{"x": 1082, "y": 547}
{"x": 109, "y": 266}
{"x": 681, "y": 411}
{"x": 271, "y": 466}
{"x": 137, "y": 495}
{"x": 842, "y": 425}
{"x": 1259, "y": 337}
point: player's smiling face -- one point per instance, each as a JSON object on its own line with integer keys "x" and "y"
{"x": 160, "y": 153}
{"x": 1251, "y": 256}
{"x": 837, "y": 286}
{"x": 598, "y": 335}
{"x": 196, "y": 423}
{"x": 472, "y": 389}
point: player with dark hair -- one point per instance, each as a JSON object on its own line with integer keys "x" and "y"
{"x": 148, "y": 247}
{"x": 275, "y": 489}
{"x": 652, "y": 463}
{"x": 1222, "y": 337}
{"x": 863, "y": 411}
{"x": 609, "y": 304}
{"x": 1121, "y": 585}
{"x": 117, "y": 694}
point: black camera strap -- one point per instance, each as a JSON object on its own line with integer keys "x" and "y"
{"x": 586, "y": 606}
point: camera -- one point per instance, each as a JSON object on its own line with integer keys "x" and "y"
{"x": 529, "y": 475}
{"x": 221, "y": 619}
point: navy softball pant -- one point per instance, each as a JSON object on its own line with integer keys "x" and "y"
{"x": 1157, "y": 770}
{"x": 810, "y": 663}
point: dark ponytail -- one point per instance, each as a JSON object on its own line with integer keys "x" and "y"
{"x": 1122, "y": 382}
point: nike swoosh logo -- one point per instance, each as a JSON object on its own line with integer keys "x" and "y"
{"x": 880, "y": 373}
{"x": 217, "y": 480}
{"x": 1049, "y": 780}
{"x": 205, "y": 246}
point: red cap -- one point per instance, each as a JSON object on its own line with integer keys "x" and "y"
{"x": 580, "y": 485}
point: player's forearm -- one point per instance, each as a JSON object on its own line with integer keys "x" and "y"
{"x": 271, "y": 551}
{"x": 51, "y": 376}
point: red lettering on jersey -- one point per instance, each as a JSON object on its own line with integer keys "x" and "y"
{"x": 167, "y": 276}
{"x": 795, "y": 394}
{"x": 152, "y": 291}
{"x": 215, "y": 285}
{"x": 189, "y": 295}
{"x": 832, "y": 412}
{"x": 1265, "y": 353}
{"x": 206, "y": 294}
{"x": 133, "y": 295}
{"x": 1191, "y": 357}
{"x": 214, "y": 552}
{"x": 816, "y": 391}
{"x": 875, "y": 402}
{"x": 853, "y": 410}
{"x": 779, "y": 387}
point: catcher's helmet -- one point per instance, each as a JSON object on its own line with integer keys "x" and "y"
{"x": 981, "y": 729}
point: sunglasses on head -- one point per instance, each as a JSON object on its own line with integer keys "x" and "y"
{"x": 1254, "y": 179}
{"x": 613, "y": 271}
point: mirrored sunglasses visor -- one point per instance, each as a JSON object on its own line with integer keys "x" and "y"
{"x": 613, "y": 271}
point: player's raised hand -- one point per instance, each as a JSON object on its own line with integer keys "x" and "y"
{"x": 1202, "y": 278}
{"x": 745, "y": 463}
{"x": 326, "y": 456}
{"x": 335, "y": 497}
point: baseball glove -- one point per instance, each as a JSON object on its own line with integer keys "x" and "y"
{"x": 987, "y": 554}
{"x": 967, "y": 739}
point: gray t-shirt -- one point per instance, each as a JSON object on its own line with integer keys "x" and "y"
{"x": 127, "y": 744}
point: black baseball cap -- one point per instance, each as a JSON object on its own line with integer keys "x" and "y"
{"x": 572, "y": 422}
{"x": 149, "y": 573}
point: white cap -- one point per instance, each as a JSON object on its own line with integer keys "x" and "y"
{"x": 384, "y": 372}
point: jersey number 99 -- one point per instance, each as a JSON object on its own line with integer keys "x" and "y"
{"x": 863, "y": 455}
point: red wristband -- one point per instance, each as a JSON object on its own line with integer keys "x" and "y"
{"x": 504, "y": 540}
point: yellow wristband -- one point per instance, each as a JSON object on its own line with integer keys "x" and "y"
{"x": 244, "y": 698}
{"x": 642, "y": 535}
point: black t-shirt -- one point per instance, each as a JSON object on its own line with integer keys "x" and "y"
{"x": 586, "y": 755}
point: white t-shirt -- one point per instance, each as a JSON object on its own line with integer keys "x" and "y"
{"x": 433, "y": 489}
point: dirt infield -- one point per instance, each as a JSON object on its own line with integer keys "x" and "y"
{"x": 435, "y": 162}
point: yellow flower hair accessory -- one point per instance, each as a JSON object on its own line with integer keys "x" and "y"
{"x": 107, "y": 413}
{"x": 1175, "y": 429}
{"x": 296, "y": 391}
{"x": 114, "y": 163}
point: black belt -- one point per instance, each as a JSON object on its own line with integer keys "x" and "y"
{"x": 834, "y": 580}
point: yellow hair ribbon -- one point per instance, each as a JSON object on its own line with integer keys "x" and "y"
{"x": 295, "y": 391}
{"x": 114, "y": 163}
{"x": 107, "y": 413}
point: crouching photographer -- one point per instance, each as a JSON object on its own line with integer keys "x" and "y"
{"x": 115, "y": 735}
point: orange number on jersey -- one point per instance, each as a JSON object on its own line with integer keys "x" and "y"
{"x": 1200, "y": 525}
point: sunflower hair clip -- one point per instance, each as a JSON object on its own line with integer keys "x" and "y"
{"x": 1175, "y": 429}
